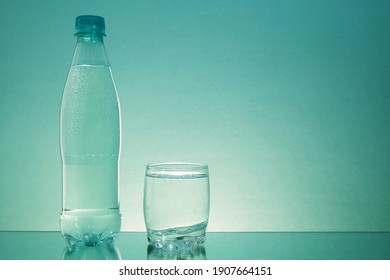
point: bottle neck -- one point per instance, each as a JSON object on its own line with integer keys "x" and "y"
{"x": 90, "y": 50}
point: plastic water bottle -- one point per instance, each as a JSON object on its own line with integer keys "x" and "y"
{"x": 90, "y": 133}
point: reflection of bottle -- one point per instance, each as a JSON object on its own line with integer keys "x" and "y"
{"x": 90, "y": 141}
{"x": 103, "y": 251}
{"x": 176, "y": 251}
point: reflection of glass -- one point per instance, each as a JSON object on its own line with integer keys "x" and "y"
{"x": 102, "y": 251}
{"x": 177, "y": 251}
{"x": 176, "y": 202}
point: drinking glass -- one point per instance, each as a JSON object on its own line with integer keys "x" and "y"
{"x": 176, "y": 203}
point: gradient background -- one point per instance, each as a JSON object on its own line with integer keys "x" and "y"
{"x": 287, "y": 101}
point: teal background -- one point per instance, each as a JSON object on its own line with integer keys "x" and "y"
{"x": 287, "y": 101}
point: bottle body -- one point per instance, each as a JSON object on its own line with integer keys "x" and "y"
{"x": 90, "y": 132}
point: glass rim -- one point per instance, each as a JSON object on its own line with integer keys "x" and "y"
{"x": 177, "y": 166}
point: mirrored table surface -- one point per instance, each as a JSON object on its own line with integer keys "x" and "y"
{"x": 218, "y": 246}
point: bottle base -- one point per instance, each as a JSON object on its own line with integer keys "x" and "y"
{"x": 90, "y": 226}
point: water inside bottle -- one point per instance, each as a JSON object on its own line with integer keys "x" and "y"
{"x": 90, "y": 142}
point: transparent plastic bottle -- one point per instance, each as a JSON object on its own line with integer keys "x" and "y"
{"x": 90, "y": 135}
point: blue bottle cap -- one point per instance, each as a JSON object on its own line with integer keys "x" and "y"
{"x": 90, "y": 24}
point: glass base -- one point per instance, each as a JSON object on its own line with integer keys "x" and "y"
{"x": 180, "y": 236}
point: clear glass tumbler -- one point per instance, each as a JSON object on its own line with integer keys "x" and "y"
{"x": 176, "y": 203}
